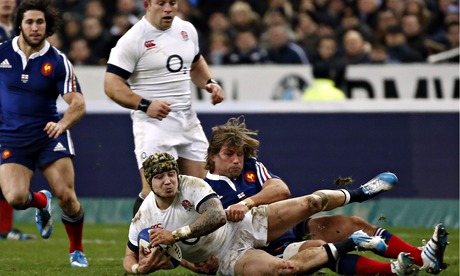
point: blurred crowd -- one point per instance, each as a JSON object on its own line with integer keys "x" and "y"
{"x": 337, "y": 32}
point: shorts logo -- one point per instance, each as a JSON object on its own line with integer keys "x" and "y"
{"x": 187, "y": 205}
{"x": 6, "y": 154}
{"x": 24, "y": 78}
{"x": 59, "y": 147}
{"x": 47, "y": 68}
{"x": 250, "y": 176}
{"x": 149, "y": 44}
{"x": 184, "y": 35}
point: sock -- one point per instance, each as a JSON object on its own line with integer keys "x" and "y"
{"x": 357, "y": 195}
{"x": 6, "y": 217}
{"x": 337, "y": 249}
{"x": 37, "y": 200}
{"x": 137, "y": 204}
{"x": 351, "y": 264}
{"x": 74, "y": 229}
{"x": 397, "y": 245}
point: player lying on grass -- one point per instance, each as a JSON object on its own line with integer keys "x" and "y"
{"x": 242, "y": 183}
{"x": 184, "y": 209}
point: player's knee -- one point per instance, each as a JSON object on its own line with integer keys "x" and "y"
{"x": 315, "y": 203}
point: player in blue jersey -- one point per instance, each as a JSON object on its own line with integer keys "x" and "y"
{"x": 32, "y": 132}
{"x": 242, "y": 182}
{"x": 6, "y": 211}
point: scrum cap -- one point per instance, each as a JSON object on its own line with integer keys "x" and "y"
{"x": 158, "y": 163}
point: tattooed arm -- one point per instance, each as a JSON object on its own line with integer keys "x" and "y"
{"x": 212, "y": 218}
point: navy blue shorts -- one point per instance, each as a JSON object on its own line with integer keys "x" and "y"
{"x": 39, "y": 154}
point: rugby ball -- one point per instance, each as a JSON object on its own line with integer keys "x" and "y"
{"x": 143, "y": 241}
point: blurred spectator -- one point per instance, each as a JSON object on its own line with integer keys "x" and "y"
{"x": 218, "y": 22}
{"x": 356, "y": 48}
{"x": 129, "y": 7}
{"x": 94, "y": 8}
{"x": 98, "y": 38}
{"x": 307, "y": 33}
{"x": 327, "y": 53}
{"x": 80, "y": 53}
{"x": 322, "y": 87}
{"x": 385, "y": 19}
{"x": 378, "y": 55}
{"x": 71, "y": 30}
{"x": 418, "y": 39}
{"x": 276, "y": 16}
{"x": 418, "y": 8}
{"x": 219, "y": 48}
{"x": 278, "y": 12}
{"x": 398, "y": 49}
{"x": 395, "y": 6}
{"x": 367, "y": 12}
{"x": 56, "y": 41}
{"x": 246, "y": 50}
{"x": 243, "y": 18}
{"x": 188, "y": 12}
{"x": 281, "y": 49}
{"x": 120, "y": 25}
{"x": 74, "y": 7}
{"x": 350, "y": 21}
{"x": 6, "y": 24}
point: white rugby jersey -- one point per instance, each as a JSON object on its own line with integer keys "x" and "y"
{"x": 182, "y": 212}
{"x": 159, "y": 61}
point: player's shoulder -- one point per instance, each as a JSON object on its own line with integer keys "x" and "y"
{"x": 181, "y": 23}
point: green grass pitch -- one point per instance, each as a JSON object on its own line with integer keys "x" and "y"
{"x": 105, "y": 247}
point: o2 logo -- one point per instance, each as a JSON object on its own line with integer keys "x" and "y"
{"x": 175, "y": 64}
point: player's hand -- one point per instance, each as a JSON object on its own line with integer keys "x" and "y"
{"x": 161, "y": 236}
{"x": 153, "y": 259}
{"x": 217, "y": 94}
{"x": 53, "y": 129}
{"x": 236, "y": 212}
{"x": 159, "y": 109}
{"x": 210, "y": 266}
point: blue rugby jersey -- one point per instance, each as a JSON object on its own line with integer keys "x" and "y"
{"x": 29, "y": 90}
{"x": 250, "y": 182}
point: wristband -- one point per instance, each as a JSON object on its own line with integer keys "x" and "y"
{"x": 248, "y": 203}
{"x": 212, "y": 81}
{"x": 144, "y": 105}
{"x": 134, "y": 268}
{"x": 181, "y": 233}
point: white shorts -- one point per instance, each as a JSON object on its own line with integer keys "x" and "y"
{"x": 249, "y": 233}
{"x": 179, "y": 134}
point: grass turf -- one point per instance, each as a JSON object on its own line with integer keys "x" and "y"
{"x": 105, "y": 247}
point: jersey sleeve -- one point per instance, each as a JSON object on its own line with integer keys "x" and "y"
{"x": 197, "y": 189}
{"x": 124, "y": 55}
{"x": 263, "y": 174}
{"x": 66, "y": 80}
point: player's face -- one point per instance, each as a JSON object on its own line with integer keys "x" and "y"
{"x": 161, "y": 13}
{"x": 228, "y": 162}
{"x": 33, "y": 28}
{"x": 165, "y": 184}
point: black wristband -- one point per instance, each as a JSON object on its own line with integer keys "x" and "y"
{"x": 212, "y": 81}
{"x": 144, "y": 105}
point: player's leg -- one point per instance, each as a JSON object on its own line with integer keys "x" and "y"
{"x": 337, "y": 228}
{"x": 258, "y": 262}
{"x": 190, "y": 167}
{"x": 6, "y": 223}
{"x": 60, "y": 175}
{"x": 14, "y": 182}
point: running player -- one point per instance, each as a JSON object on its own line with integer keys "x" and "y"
{"x": 158, "y": 57}
{"x": 32, "y": 133}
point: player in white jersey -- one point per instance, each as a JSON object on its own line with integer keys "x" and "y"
{"x": 158, "y": 57}
{"x": 184, "y": 209}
